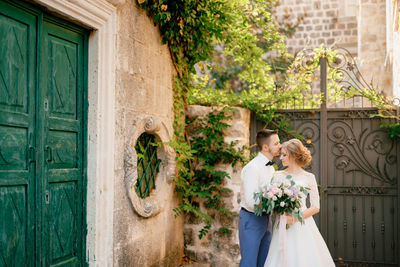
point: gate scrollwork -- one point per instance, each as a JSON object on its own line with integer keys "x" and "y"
{"x": 351, "y": 152}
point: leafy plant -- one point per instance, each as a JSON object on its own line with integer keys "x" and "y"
{"x": 203, "y": 183}
{"x": 224, "y": 231}
{"x": 391, "y": 122}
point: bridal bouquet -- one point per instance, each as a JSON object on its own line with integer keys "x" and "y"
{"x": 281, "y": 198}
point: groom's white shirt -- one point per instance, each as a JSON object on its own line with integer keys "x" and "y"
{"x": 255, "y": 175}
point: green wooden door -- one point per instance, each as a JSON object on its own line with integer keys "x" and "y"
{"x": 17, "y": 138}
{"x": 42, "y": 150}
{"x": 61, "y": 95}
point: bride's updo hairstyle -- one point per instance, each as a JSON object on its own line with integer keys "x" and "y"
{"x": 298, "y": 151}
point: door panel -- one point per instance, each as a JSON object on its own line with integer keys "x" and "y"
{"x": 13, "y": 228}
{"x": 63, "y": 221}
{"x": 14, "y": 72}
{"x": 17, "y": 89}
{"x": 62, "y": 74}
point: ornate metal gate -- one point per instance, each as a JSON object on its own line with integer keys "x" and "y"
{"x": 357, "y": 167}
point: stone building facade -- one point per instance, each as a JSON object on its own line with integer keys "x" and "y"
{"x": 356, "y": 25}
{"x": 324, "y": 22}
{"x": 393, "y": 47}
{"x": 372, "y": 45}
{"x": 143, "y": 96}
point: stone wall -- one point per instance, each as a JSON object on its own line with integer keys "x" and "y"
{"x": 216, "y": 248}
{"x": 143, "y": 88}
{"x": 374, "y": 65}
{"x": 325, "y": 22}
{"x": 396, "y": 61}
{"x": 356, "y": 25}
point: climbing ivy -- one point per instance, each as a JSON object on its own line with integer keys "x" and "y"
{"x": 203, "y": 188}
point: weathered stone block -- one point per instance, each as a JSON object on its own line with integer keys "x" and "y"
{"x": 315, "y": 34}
{"x": 188, "y": 236}
{"x": 192, "y": 219}
{"x": 330, "y": 41}
{"x": 351, "y": 25}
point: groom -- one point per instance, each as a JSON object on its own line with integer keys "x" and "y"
{"x": 254, "y": 236}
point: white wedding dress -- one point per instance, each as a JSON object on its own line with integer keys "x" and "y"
{"x": 304, "y": 246}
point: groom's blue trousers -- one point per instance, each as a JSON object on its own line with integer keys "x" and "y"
{"x": 254, "y": 239}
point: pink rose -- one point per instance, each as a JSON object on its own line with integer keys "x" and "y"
{"x": 275, "y": 190}
{"x": 274, "y": 198}
{"x": 270, "y": 194}
{"x": 282, "y": 204}
{"x": 288, "y": 192}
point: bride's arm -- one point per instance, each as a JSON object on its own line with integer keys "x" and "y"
{"x": 314, "y": 202}
{"x": 306, "y": 214}
{"x": 310, "y": 212}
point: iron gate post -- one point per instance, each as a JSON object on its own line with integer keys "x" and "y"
{"x": 324, "y": 147}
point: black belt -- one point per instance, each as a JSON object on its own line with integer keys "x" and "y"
{"x": 263, "y": 214}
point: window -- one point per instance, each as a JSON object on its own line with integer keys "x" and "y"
{"x": 147, "y": 164}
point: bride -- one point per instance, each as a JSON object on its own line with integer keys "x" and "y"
{"x": 302, "y": 244}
